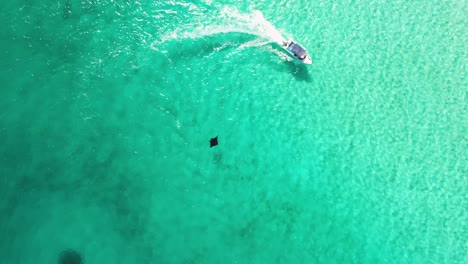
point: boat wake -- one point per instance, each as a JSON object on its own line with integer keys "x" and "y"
{"x": 228, "y": 21}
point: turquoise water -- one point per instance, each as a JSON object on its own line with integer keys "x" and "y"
{"x": 108, "y": 108}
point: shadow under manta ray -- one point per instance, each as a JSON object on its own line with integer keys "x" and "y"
{"x": 218, "y": 157}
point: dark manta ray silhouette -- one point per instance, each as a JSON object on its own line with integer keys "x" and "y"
{"x": 213, "y": 141}
{"x": 70, "y": 256}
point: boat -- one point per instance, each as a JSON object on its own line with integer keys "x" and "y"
{"x": 297, "y": 51}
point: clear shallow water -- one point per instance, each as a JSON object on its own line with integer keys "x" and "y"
{"x": 108, "y": 109}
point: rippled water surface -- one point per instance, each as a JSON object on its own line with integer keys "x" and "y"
{"x": 108, "y": 108}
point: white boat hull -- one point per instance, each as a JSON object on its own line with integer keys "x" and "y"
{"x": 297, "y": 52}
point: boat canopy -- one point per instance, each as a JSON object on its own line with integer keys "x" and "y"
{"x": 298, "y": 51}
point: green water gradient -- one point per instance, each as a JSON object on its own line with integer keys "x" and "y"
{"x": 108, "y": 108}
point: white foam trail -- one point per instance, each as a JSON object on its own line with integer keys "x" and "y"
{"x": 230, "y": 20}
{"x": 253, "y": 23}
{"x": 280, "y": 54}
{"x": 254, "y": 43}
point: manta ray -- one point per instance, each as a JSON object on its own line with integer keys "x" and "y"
{"x": 70, "y": 256}
{"x": 213, "y": 141}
